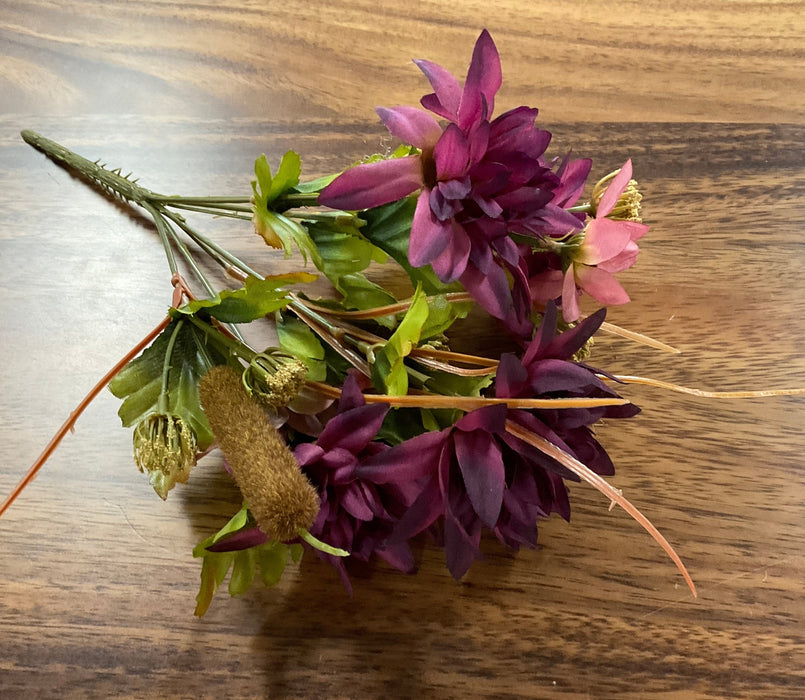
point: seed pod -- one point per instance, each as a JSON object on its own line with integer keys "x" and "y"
{"x": 279, "y": 496}
{"x": 165, "y": 448}
{"x": 274, "y": 378}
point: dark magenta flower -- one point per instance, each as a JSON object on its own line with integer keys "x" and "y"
{"x": 355, "y": 513}
{"x": 546, "y": 369}
{"x": 478, "y": 180}
{"x": 475, "y": 473}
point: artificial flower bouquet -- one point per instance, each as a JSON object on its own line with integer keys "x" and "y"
{"x": 362, "y": 429}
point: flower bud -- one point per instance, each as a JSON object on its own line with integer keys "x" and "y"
{"x": 165, "y": 448}
{"x": 274, "y": 378}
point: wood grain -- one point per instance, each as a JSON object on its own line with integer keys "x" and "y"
{"x": 637, "y": 61}
{"x": 97, "y": 584}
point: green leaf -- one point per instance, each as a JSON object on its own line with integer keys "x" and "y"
{"x": 287, "y": 176}
{"x": 253, "y": 300}
{"x": 361, "y": 293}
{"x": 342, "y": 248}
{"x": 316, "y": 185}
{"x": 297, "y": 339}
{"x": 442, "y": 314}
{"x": 269, "y": 559}
{"x": 262, "y": 186}
{"x": 243, "y": 570}
{"x": 139, "y": 382}
{"x": 389, "y": 228}
{"x": 213, "y": 571}
{"x": 389, "y": 373}
{"x": 273, "y": 557}
{"x": 456, "y": 385}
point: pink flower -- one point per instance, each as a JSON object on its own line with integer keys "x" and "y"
{"x": 608, "y": 246}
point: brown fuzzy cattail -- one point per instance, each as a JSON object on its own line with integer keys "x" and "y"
{"x": 279, "y": 496}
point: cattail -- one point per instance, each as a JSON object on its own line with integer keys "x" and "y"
{"x": 281, "y": 499}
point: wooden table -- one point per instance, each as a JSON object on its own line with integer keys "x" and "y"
{"x": 97, "y": 584}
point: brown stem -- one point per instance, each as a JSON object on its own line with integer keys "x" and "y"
{"x": 628, "y": 379}
{"x": 603, "y": 486}
{"x": 76, "y": 413}
{"x": 468, "y": 403}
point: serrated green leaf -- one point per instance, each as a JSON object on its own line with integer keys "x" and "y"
{"x": 139, "y": 382}
{"x": 388, "y": 370}
{"x": 297, "y": 339}
{"x": 361, "y": 293}
{"x": 441, "y": 315}
{"x": 287, "y": 176}
{"x": 279, "y": 231}
{"x": 262, "y": 186}
{"x": 255, "y": 299}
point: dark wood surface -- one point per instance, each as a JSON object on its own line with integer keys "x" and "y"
{"x": 97, "y": 582}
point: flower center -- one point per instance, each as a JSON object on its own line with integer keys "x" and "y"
{"x": 429, "y": 176}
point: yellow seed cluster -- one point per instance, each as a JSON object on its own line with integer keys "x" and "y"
{"x": 165, "y": 448}
{"x": 279, "y": 496}
{"x": 274, "y": 379}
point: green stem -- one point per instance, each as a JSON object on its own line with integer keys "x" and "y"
{"x": 321, "y": 546}
{"x": 204, "y": 201}
{"x": 239, "y": 348}
{"x": 109, "y": 180}
{"x": 582, "y": 208}
{"x": 228, "y": 212}
{"x": 222, "y": 256}
{"x": 162, "y": 401}
{"x": 164, "y": 231}
{"x": 295, "y": 199}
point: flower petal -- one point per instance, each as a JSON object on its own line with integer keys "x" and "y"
{"x": 410, "y": 125}
{"x": 353, "y": 429}
{"x": 405, "y": 462}
{"x": 511, "y": 377}
{"x": 545, "y": 286}
{"x": 490, "y": 289}
{"x": 354, "y": 502}
{"x": 446, "y": 90}
{"x": 614, "y": 190}
{"x": 372, "y": 184}
{"x": 429, "y": 236}
{"x": 451, "y": 154}
{"x": 601, "y": 285}
{"x": 452, "y": 261}
{"x": 572, "y": 175}
{"x": 624, "y": 260}
{"x": 570, "y": 301}
{"x": 490, "y": 419}
{"x": 484, "y": 78}
{"x": 604, "y": 240}
{"x": 481, "y": 465}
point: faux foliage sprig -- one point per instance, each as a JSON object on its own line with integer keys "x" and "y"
{"x": 364, "y": 429}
